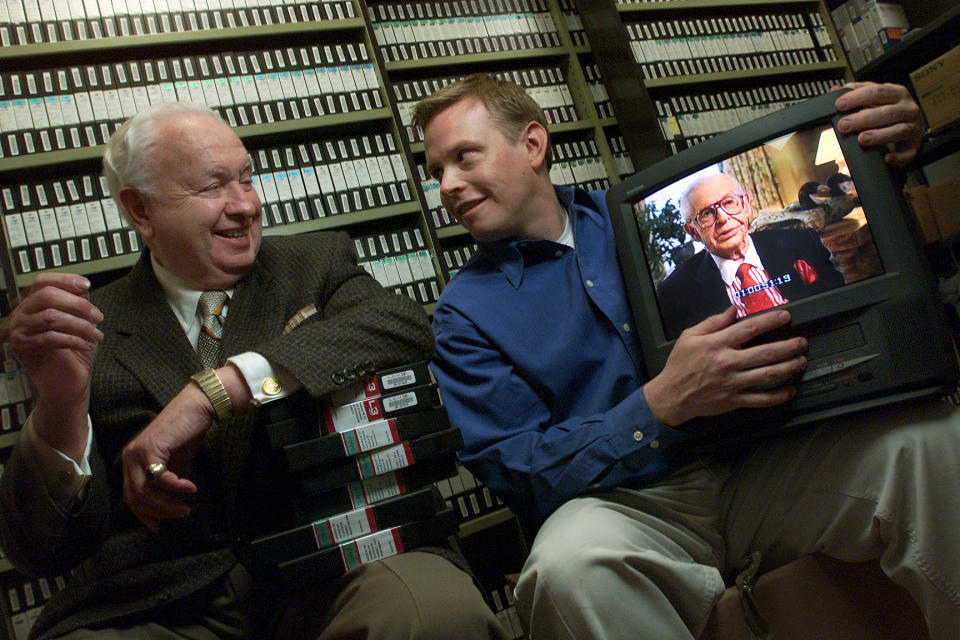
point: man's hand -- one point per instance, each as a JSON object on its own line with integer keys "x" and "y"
{"x": 173, "y": 438}
{"x": 885, "y": 115}
{"x": 53, "y": 333}
{"x": 709, "y": 372}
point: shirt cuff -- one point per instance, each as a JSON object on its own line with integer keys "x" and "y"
{"x": 267, "y": 381}
{"x": 63, "y": 477}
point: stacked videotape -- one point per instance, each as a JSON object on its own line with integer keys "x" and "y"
{"x": 361, "y": 482}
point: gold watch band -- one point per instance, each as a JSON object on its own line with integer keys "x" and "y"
{"x": 211, "y": 384}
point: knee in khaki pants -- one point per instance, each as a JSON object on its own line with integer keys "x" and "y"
{"x": 817, "y": 597}
{"x": 414, "y": 595}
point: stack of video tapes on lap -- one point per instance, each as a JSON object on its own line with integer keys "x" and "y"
{"x": 362, "y": 480}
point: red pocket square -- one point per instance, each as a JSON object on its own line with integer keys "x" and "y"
{"x": 807, "y": 273}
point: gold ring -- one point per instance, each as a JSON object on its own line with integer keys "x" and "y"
{"x": 155, "y": 470}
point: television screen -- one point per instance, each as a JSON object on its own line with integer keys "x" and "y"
{"x": 786, "y": 207}
{"x": 786, "y": 211}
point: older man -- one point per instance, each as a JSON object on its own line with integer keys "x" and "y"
{"x": 751, "y": 271}
{"x": 138, "y": 462}
{"x": 540, "y": 367}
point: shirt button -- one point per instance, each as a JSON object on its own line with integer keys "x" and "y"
{"x": 638, "y": 436}
{"x": 589, "y": 283}
{"x": 654, "y": 444}
{"x": 626, "y": 327}
{"x": 558, "y": 254}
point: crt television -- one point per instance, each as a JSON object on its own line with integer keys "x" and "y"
{"x": 879, "y": 334}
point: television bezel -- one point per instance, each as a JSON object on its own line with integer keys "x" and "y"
{"x": 883, "y": 204}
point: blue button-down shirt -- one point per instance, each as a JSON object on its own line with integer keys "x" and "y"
{"x": 539, "y": 366}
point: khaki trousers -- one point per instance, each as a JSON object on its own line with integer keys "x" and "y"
{"x": 651, "y": 563}
{"x": 412, "y": 595}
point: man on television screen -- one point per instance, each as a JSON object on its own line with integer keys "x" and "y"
{"x": 751, "y": 271}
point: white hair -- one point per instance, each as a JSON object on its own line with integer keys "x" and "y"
{"x": 126, "y": 159}
{"x": 686, "y": 207}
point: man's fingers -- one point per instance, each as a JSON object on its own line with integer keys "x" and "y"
{"x": 748, "y": 329}
{"x": 56, "y": 322}
{"x": 49, "y": 308}
{"x": 72, "y": 283}
{"x": 869, "y": 94}
{"x": 775, "y": 372}
{"x": 714, "y": 323}
{"x": 772, "y": 398}
{"x": 769, "y": 353}
{"x": 67, "y": 302}
{"x": 154, "y": 501}
{"x": 898, "y": 158}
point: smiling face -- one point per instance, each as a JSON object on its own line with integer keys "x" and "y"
{"x": 488, "y": 183}
{"x": 202, "y": 218}
{"x": 728, "y": 237}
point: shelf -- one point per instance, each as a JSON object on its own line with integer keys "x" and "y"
{"x": 329, "y": 222}
{"x": 456, "y": 231}
{"x": 939, "y": 146}
{"x": 343, "y": 219}
{"x": 485, "y": 521}
{"x": 82, "y": 268}
{"x": 686, "y": 5}
{"x": 728, "y": 76}
{"x": 476, "y": 58}
{"x": 89, "y": 154}
{"x": 581, "y": 124}
{"x": 30, "y": 52}
{"x": 918, "y": 47}
{"x": 9, "y": 439}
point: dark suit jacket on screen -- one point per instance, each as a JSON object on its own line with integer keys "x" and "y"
{"x": 695, "y": 291}
{"x": 143, "y": 361}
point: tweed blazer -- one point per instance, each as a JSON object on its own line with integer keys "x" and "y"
{"x": 143, "y": 361}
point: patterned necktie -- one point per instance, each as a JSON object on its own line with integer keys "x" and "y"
{"x": 761, "y": 299}
{"x": 208, "y": 344}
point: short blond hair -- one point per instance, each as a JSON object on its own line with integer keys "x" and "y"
{"x": 511, "y": 107}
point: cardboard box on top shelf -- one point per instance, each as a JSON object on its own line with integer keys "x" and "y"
{"x": 937, "y": 85}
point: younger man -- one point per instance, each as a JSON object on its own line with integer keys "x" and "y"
{"x": 539, "y": 365}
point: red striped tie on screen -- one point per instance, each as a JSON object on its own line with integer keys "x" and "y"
{"x": 760, "y": 300}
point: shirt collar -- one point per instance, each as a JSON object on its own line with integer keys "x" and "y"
{"x": 728, "y": 268}
{"x": 182, "y": 296}
{"x": 510, "y": 256}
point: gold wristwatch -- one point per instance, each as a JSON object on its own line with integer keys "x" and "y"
{"x": 211, "y": 384}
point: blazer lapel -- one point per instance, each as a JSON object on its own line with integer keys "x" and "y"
{"x": 710, "y": 285}
{"x": 156, "y": 350}
{"x": 256, "y": 313}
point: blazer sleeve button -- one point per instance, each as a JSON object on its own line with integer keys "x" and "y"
{"x": 337, "y": 377}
